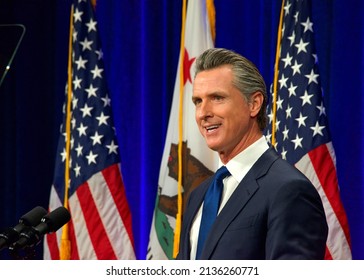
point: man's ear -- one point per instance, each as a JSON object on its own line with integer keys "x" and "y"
{"x": 255, "y": 103}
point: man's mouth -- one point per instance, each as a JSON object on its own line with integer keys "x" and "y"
{"x": 212, "y": 128}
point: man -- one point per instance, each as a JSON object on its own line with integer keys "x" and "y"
{"x": 268, "y": 209}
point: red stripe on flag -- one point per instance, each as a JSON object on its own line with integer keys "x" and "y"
{"x": 328, "y": 255}
{"x": 52, "y": 238}
{"x": 114, "y": 180}
{"x": 72, "y": 237}
{"x": 326, "y": 172}
{"x": 96, "y": 230}
{"x": 53, "y": 246}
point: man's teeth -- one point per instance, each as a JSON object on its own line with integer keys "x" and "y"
{"x": 212, "y": 127}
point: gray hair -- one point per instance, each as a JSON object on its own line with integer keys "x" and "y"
{"x": 247, "y": 78}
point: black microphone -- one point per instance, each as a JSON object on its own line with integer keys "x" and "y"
{"x": 30, "y": 219}
{"x": 49, "y": 223}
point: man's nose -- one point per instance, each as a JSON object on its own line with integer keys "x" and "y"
{"x": 204, "y": 110}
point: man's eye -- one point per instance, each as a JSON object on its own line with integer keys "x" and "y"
{"x": 217, "y": 98}
{"x": 196, "y": 101}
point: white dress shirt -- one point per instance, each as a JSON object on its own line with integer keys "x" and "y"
{"x": 238, "y": 168}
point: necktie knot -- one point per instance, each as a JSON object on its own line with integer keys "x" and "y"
{"x": 221, "y": 173}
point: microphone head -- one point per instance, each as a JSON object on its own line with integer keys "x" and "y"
{"x": 26, "y": 222}
{"x": 33, "y": 217}
{"x": 56, "y": 219}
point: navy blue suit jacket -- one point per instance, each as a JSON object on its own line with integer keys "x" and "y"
{"x": 275, "y": 213}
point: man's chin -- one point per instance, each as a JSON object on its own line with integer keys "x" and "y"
{"x": 213, "y": 146}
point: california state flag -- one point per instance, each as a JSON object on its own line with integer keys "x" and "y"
{"x": 184, "y": 143}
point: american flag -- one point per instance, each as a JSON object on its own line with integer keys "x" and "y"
{"x": 301, "y": 127}
{"x": 100, "y": 226}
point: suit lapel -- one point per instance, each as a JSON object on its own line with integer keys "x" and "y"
{"x": 196, "y": 201}
{"x": 241, "y": 196}
{"x": 194, "y": 205}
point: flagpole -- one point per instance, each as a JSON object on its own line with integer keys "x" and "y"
{"x": 177, "y": 231}
{"x": 65, "y": 249}
{"x": 275, "y": 81}
{"x": 210, "y": 7}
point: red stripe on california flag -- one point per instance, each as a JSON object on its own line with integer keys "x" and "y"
{"x": 114, "y": 181}
{"x": 96, "y": 230}
{"x": 326, "y": 172}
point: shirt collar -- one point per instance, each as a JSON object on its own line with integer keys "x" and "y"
{"x": 240, "y": 165}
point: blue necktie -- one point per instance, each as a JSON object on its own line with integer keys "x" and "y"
{"x": 211, "y": 207}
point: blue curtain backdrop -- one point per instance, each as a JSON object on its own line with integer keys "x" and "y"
{"x": 141, "y": 45}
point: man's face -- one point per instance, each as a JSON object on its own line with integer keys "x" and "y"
{"x": 223, "y": 115}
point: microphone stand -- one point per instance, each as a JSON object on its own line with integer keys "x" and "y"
{"x": 27, "y": 253}
{"x": 24, "y": 248}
